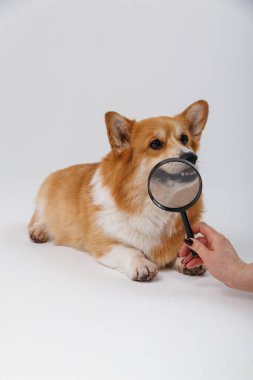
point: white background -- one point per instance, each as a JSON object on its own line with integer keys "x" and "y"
{"x": 63, "y": 64}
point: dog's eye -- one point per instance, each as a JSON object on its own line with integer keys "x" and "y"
{"x": 156, "y": 144}
{"x": 184, "y": 139}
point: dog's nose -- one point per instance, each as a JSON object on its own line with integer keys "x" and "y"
{"x": 190, "y": 156}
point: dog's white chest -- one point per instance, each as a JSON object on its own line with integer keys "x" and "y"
{"x": 139, "y": 231}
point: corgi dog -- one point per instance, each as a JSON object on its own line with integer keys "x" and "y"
{"x": 104, "y": 208}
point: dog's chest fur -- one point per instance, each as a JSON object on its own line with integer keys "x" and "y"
{"x": 140, "y": 231}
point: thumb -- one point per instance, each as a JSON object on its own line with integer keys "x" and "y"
{"x": 197, "y": 246}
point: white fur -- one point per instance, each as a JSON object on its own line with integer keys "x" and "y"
{"x": 40, "y": 207}
{"x": 129, "y": 261}
{"x": 179, "y": 130}
{"x": 39, "y": 221}
{"x": 161, "y": 134}
{"x": 138, "y": 231}
{"x": 120, "y": 258}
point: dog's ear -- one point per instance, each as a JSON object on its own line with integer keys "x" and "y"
{"x": 196, "y": 115}
{"x": 118, "y": 130}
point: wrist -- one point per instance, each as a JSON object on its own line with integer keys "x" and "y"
{"x": 235, "y": 278}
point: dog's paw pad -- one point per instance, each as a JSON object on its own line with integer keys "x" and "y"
{"x": 38, "y": 236}
{"x": 144, "y": 270}
{"x": 196, "y": 271}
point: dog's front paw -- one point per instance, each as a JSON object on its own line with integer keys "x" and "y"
{"x": 38, "y": 235}
{"x": 142, "y": 270}
{"x": 196, "y": 271}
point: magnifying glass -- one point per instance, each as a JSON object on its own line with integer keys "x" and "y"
{"x": 175, "y": 185}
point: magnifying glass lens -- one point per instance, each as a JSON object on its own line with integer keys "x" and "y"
{"x": 174, "y": 185}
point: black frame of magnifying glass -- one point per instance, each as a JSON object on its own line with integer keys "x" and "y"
{"x": 181, "y": 210}
{"x": 178, "y": 209}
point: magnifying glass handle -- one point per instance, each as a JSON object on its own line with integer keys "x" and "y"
{"x": 188, "y": 230}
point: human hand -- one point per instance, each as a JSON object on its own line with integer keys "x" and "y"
{"x": 216, "y": 252}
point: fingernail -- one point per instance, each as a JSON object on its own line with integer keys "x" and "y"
{"x": 188, "y": 241}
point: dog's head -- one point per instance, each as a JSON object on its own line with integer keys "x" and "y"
{"x": 148, "y": 141}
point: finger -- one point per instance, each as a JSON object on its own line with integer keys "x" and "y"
{"x": 185, "y": 250}
{"x": 194, "y": 262}
{"x": 197, "y": 246}
{"x": 203, "y": 228}
{"x": 209, "y": 232}
{"x": 203, "y": 240}
{"x": 188, "y": 258}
